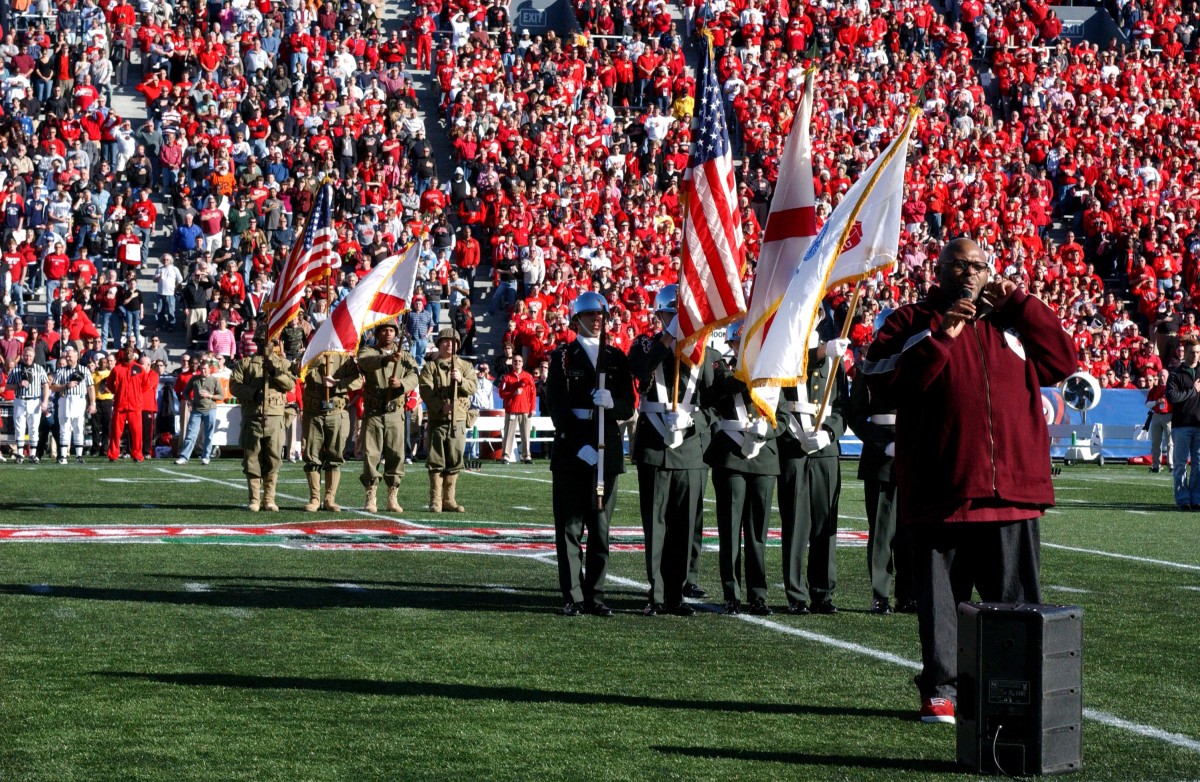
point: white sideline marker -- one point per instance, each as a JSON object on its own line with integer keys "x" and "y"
{"x": 1104, "y": 718}
{"x": 1072, "y": 590}
{"x": 195, "y": 586}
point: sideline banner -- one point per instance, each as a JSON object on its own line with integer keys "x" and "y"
{"x": 1120, "y": 415}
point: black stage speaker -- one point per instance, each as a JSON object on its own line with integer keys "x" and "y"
{"x": 1020, "y": 688}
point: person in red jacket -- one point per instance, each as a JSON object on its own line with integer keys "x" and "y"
{"x": 1161, "y": 447}
{"x": 519, "y": 394}
{"x": 148, "y": 390}
{"x": 126, "y": 389}
{"x": 963, "y": 369}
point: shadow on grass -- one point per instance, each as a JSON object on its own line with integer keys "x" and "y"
{"x": 476, "y": 692}
{"x": 812, "y": 759}
{"x": 359, "y": 582}
{"x": 296, "y": 597}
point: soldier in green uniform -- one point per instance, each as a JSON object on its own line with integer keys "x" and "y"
{"x": 326, "y": 425}
{"x": 887, "y": 549}
{"x": 389, "y": 374}
{"x": 447, "y": 383}
{"x": 744, "y": 457}
{"x": 668, "y": 448}
{"x": 810, "y": 478}
{"x": 261, "y": 384}
{"x": 574, "y": 398}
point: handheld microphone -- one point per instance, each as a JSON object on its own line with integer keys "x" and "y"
{"x": 983, "y": 307}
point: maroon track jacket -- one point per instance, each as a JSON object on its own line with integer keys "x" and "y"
{"x": 971, "y": 438}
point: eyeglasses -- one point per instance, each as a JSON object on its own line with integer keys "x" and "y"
{"x": 962, "y": 267}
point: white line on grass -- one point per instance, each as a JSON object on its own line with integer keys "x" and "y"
{"x": 1175, "y": 739}
{"x": 1194, "y": 589}
{"x": 1072, "y": 590}
{"x": 193, "y": 586}
{"x": 1129, "y": 557}
{"x": 235, "y": 485}
{"x": 350, "y": 587}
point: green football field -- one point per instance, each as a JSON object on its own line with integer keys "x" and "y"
{"x": 192, "y": 640}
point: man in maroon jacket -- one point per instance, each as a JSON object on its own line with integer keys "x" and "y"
{"x": 964, "y": 368}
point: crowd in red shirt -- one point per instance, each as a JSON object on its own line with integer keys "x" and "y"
{"x": 572, "y": 150}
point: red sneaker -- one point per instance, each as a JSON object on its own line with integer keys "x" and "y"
{"x": 937, "y": 710}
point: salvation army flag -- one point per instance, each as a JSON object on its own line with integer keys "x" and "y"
{"x": 382, "y": 295}
{"x": 791, "y": 227}
{"x": 713, "y": 256}
{"x": 861, "y": 237}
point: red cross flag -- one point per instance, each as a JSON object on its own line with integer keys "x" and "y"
{"x": 791, "y": 227}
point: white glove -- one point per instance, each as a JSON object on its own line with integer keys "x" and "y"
{"x": 589, "y": 455}
{"x": 836, "y": 347}
{"x": 678, "y": 421}
{"x": 1150, "y": 403}
{"x": 815, "y": 441}
{"x": 672, "y": 328}
{"x": 761, "y": 427}
{"x": 890, "y": 450}
{"x": 602, "y": 397}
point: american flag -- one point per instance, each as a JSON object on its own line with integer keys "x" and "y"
{"x": 710, "y": 288}
{"x": 307, "y": 264}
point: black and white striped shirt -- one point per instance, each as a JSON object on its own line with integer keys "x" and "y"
{"x": 63, "y": 375}
{"x": 35, "y": 374}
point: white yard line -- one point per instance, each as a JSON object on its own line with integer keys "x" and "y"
{"x": 1128, "y": 557}
{"x": 1104, "y": 718}
{"x": 239, "y": 485}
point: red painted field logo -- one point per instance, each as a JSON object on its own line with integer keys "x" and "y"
{"x": 351, "y": 535}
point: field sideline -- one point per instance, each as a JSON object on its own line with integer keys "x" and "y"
{"x": 367, "y": 646}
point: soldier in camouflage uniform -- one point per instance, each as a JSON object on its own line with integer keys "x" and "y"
{"x": 326, "y": 425}
{"x": 261, "y": 384}
{"x": 447, "y": 383}
{"x": 389, "y": 374}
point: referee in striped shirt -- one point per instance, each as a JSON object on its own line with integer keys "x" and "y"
{"x": 31, "y": 387}
{"x": 76, "y": 400}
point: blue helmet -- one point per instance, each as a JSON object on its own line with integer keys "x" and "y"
{"x": 666, "y": 300}
{"x": 588, "y": 301}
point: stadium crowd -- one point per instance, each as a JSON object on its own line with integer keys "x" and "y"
{"x": 567, "y": 160}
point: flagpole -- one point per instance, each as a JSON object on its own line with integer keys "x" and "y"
{"x": 838, "y": 364}
{"x": 328, "y": 314}
{"x": 675, "y": 385}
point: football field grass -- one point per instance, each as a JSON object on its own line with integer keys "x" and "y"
{"x": 196, "y": 642}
